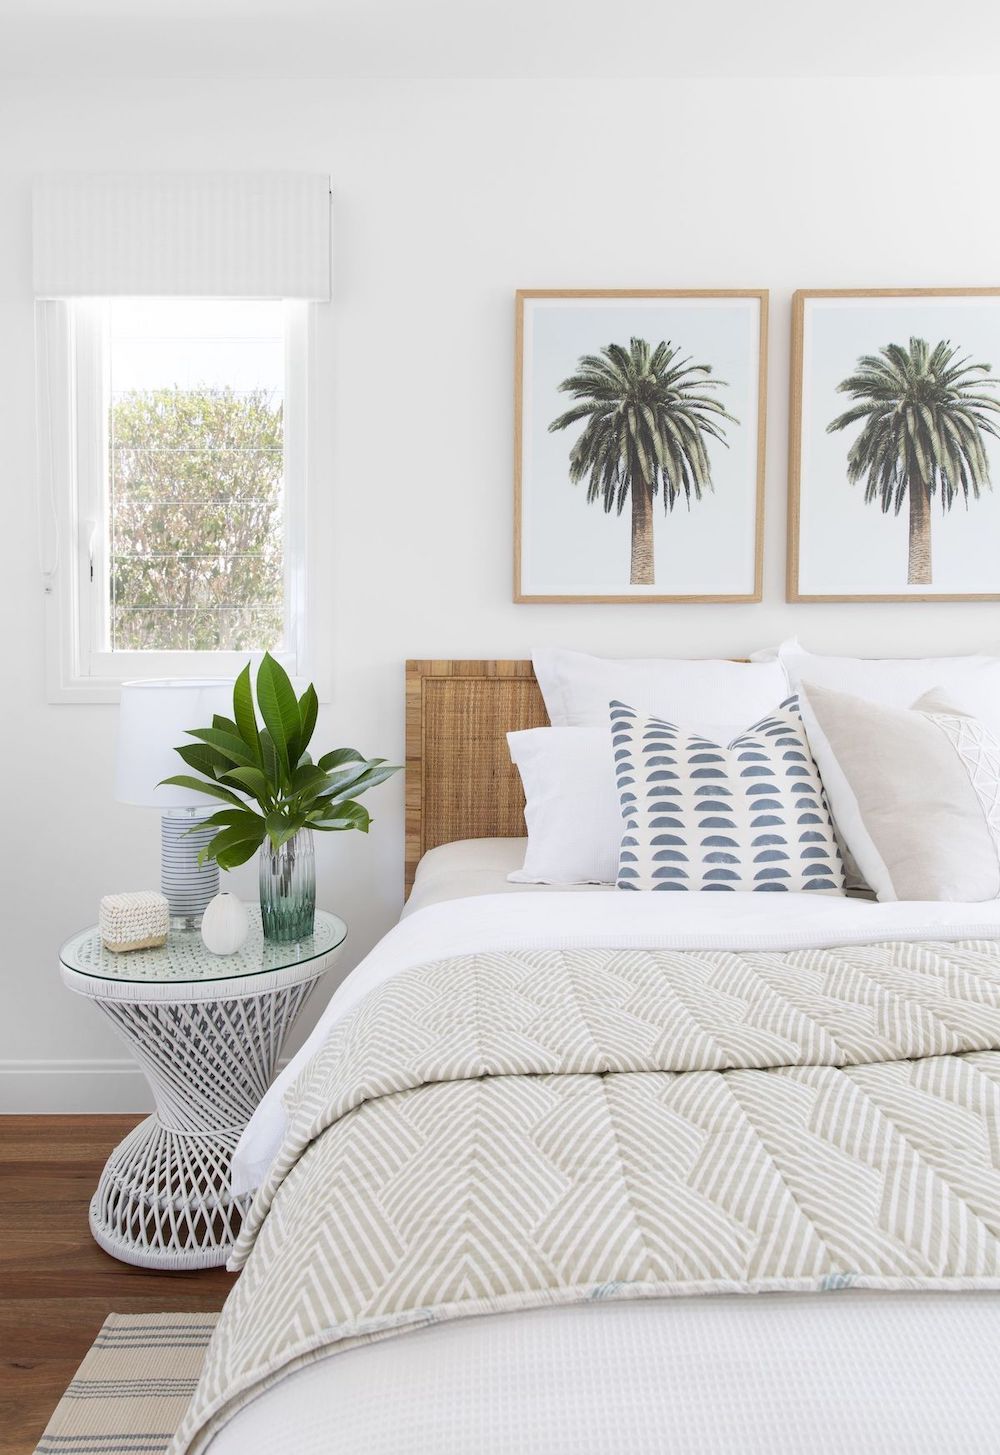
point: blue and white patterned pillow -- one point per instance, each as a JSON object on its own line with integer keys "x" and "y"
{"x": 751, "y": 815}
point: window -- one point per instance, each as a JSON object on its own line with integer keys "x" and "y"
{"x": 193, "y": 478}
{"x": 185, "y": 501}
{"x": 175, "y": 320}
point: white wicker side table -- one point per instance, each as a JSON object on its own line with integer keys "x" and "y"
{"x": 207, "y": 1031}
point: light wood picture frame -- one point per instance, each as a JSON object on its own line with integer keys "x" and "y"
{"x": 882, "y": 379}
{"x": 697, "y": 360}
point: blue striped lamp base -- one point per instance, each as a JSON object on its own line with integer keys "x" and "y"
{"x": 188, "y": 886}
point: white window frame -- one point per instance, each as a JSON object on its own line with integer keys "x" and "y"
{"x": 72, "y": 393}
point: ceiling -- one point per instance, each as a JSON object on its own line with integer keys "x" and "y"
{"x": 497, "y": 38}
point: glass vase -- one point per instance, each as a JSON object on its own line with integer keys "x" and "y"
{"x": 288, "y": 888}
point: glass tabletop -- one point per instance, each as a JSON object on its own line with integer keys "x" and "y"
{"x": 184, "y": 957}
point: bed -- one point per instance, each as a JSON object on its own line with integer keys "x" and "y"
{"x": 841, "y": 1207}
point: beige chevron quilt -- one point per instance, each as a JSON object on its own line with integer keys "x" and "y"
{"x": 504, "y": 1131}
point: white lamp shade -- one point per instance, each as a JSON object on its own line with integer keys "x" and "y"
{"x": 154, "y": 719}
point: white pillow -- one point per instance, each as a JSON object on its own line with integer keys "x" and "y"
{"x": 571, "y": 807}
{"x": 714, "y": 697}
{"x": 972, "y": 683}
{"x": 749, "y": 815}
{"x": 915, "y": 791}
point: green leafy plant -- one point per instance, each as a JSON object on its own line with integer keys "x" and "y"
{"x": 264, "y": 772}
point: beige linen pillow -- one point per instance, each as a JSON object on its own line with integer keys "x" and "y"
{"x": 914, "y": 791}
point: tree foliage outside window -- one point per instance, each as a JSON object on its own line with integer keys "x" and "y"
{"x": 197, "y": 538}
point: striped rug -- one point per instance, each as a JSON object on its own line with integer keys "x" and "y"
{"x": 131, "y": 1390}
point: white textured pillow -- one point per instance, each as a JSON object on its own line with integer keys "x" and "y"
{"x": 571, "y": 805}
{"x": 710, "y": 696}
{"x": 915, "y": 792}
{"x": 703, "y": 816}
{"x": 972, "y": 683}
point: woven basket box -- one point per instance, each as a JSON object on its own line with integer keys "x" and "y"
{"x": 138, "y": 921}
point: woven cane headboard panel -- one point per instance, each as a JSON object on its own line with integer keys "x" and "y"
{"x": 460, "y": 782}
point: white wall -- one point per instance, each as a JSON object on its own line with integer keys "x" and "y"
{"x": 448, "y": 196}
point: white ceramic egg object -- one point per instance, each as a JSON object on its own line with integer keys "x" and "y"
{"x": 225, "y": 925}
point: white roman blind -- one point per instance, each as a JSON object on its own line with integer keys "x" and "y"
{"x": 187, "y": 235}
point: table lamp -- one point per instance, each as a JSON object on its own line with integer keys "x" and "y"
{"x": 153, "y": 721}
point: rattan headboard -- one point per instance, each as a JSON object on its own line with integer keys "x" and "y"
{"x": 460, "y": 782}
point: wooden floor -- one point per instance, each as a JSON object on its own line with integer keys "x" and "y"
{"x": 56, "y": 1285}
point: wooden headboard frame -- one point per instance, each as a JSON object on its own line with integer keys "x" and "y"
{"x": 460, "y": 782}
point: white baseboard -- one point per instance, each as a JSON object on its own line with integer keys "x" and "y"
{"x": 49, "y": 1087}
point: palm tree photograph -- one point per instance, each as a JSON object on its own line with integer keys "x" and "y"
{"x": 639, "y": 446}
{"x": 892, "y": 497}
{"x": 649, "y": 415}
{"x": 925, "y": 415}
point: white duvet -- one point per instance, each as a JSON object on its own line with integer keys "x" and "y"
{"x": 896, "y": 1374}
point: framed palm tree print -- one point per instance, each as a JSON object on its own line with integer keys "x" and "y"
{"x": 895, "y": 446}
{"x": 639, "y": 445}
